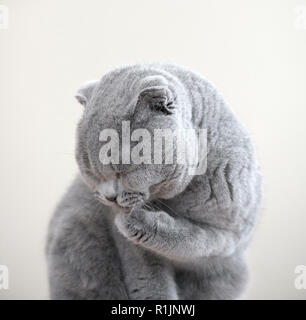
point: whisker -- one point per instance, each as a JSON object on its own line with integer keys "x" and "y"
{"x": 145, "y": 205}
{"x": 167, "y": 206}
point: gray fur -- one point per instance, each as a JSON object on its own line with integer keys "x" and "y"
{"x": 176, "y": 236}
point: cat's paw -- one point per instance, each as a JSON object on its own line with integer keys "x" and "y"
{"x": 138, "y": 225}
{"x": 130, "y": 199}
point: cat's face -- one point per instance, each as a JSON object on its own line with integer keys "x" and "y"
{"x": 114, "y": 110}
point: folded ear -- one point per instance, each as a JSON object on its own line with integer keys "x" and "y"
{"x": 84, "y": 93}
{"x": 159, "y": 98}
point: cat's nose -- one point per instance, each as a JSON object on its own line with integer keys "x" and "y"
{"x": 111, "y": 198}
{"x": 107, "y": 190}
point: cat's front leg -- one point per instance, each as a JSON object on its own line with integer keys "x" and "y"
{"x": 138, "y": 225}
{"x": 175, "y": 238}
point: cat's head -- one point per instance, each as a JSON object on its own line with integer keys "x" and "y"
{"x": 117, "y": 132}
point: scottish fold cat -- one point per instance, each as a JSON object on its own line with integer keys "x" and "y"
{"x": 127, "y": 230}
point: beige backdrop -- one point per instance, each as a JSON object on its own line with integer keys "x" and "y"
{"x": 254, "y": 51}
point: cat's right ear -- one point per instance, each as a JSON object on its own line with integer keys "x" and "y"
{"x": 84, "y": 93}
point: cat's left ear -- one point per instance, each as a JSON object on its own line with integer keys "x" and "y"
{"x": 85, "y": 91}
{"x": 159, "y": 98}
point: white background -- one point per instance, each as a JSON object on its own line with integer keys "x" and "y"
{"x": 254, "y": 52}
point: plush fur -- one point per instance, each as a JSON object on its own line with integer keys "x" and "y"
{"x": 168, "y": 235}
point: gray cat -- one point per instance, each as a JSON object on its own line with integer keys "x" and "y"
{"x": 153, "y": 231}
